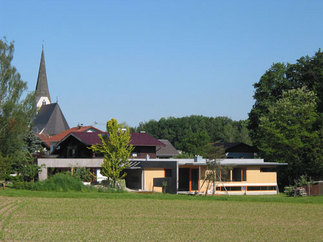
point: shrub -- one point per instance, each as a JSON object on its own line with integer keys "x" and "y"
{"x": 22, "y": 185}
{"x": 298, "y": 189}
{"x": 105, "y": 189}
{"x": 83, "y": 173}
{"x": 61, "y": 183}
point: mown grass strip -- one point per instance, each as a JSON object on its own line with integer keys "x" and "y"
{"x": 129, "y": 195}
{"x": 6, "y": 216}
{"x": 3, "y": 206}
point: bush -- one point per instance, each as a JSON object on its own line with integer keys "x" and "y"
{"x": 22, "y": 185}
{"x": 101, "y": 188}
{"x": 298, "y": 189}
{"x": 84, "y": 174}
{"x": 120, "y": 184}
{"x": 61, "y": 183}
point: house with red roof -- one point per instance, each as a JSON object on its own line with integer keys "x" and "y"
{"x": 52, "y": 141}
{"x": 76, "y": 145}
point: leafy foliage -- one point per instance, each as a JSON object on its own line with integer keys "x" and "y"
{"x": 214, "y": 167}
{"x": 83, "y": 173}
{"x": 289, "y": 134}
{"x": 116, "y": 150}
{"x": 280, "y": 77}
{"x": 23, "y": 185}
{"x": 289, "y": 137}
{"x": 15, "y": 113}
{"x": 191, "y": 134}
{"x": 60, "y": 182}
{"x": 4, "y": 167}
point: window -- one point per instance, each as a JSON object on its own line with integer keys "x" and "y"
{"x": 267, "y": 169}
{"x": 225, "y": 188}
{"x": 236, "y": 174}
{"x": 168, "y": 172}
{"x": 194, "y": 179}
{"x": 225, "y": 175}
{"x": 261, "y": 188}
{"x": 239, "y": 174}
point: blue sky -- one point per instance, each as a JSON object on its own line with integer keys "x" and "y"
{"x": 146, "y": 59}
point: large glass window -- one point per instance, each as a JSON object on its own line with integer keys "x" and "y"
{"x": 194, "y": 179}
{"x": 239, "y": 174}
{"x": 225, "y": 175}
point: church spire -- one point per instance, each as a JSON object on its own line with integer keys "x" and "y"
{"x": 42, "y": 92}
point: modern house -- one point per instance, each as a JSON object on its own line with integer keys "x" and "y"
{"x": 236, "y": 176}
{"x": 147, "y": 173}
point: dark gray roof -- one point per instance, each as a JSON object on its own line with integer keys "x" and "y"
{"x": 236, "y": 147}
{"x": 50, "y": 120}
{"x": 166, "y": 151}
{"x": 42, "y": 85}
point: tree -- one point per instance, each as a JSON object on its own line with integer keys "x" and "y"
{"x": 191, "y": 133}
{"x": 214, "y": 167}
{"x": 280, "y": 77}
{"x": 289, "y": 134}
{"x": 116, "y": 150}
{"x": 268, "y": 90}
{"x": 4, "y": 167}
{"x": 16, "y": 113}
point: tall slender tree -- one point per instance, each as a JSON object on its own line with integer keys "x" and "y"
{"x": 116, "y": 149}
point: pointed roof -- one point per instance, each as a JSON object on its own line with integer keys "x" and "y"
{"x": 50, "y": 120}
{"x": 166, "y": 151}
{"x": 60, "y": 136}
{"x": 42, "y": 85}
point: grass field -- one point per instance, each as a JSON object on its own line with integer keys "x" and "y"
{"x": 26, "y": 215}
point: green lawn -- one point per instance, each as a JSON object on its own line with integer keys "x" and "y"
{"x": 26, "y": 215}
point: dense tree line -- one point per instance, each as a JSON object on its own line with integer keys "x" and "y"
{"x": 190, "y": 134}
{"x": 286, "y": 121}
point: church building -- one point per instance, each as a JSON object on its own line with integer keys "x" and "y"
{"x": 49, "y": 119}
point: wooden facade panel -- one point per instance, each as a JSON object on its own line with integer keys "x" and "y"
{"x": 149, "y": 175}
{"x": 203, "y": 184}
{"x": 254, "y": 175}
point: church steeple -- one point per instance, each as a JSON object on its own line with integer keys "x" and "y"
{"x": 42, "y": 92}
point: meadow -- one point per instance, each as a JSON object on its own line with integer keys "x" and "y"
{"x": 54, "y": 216}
